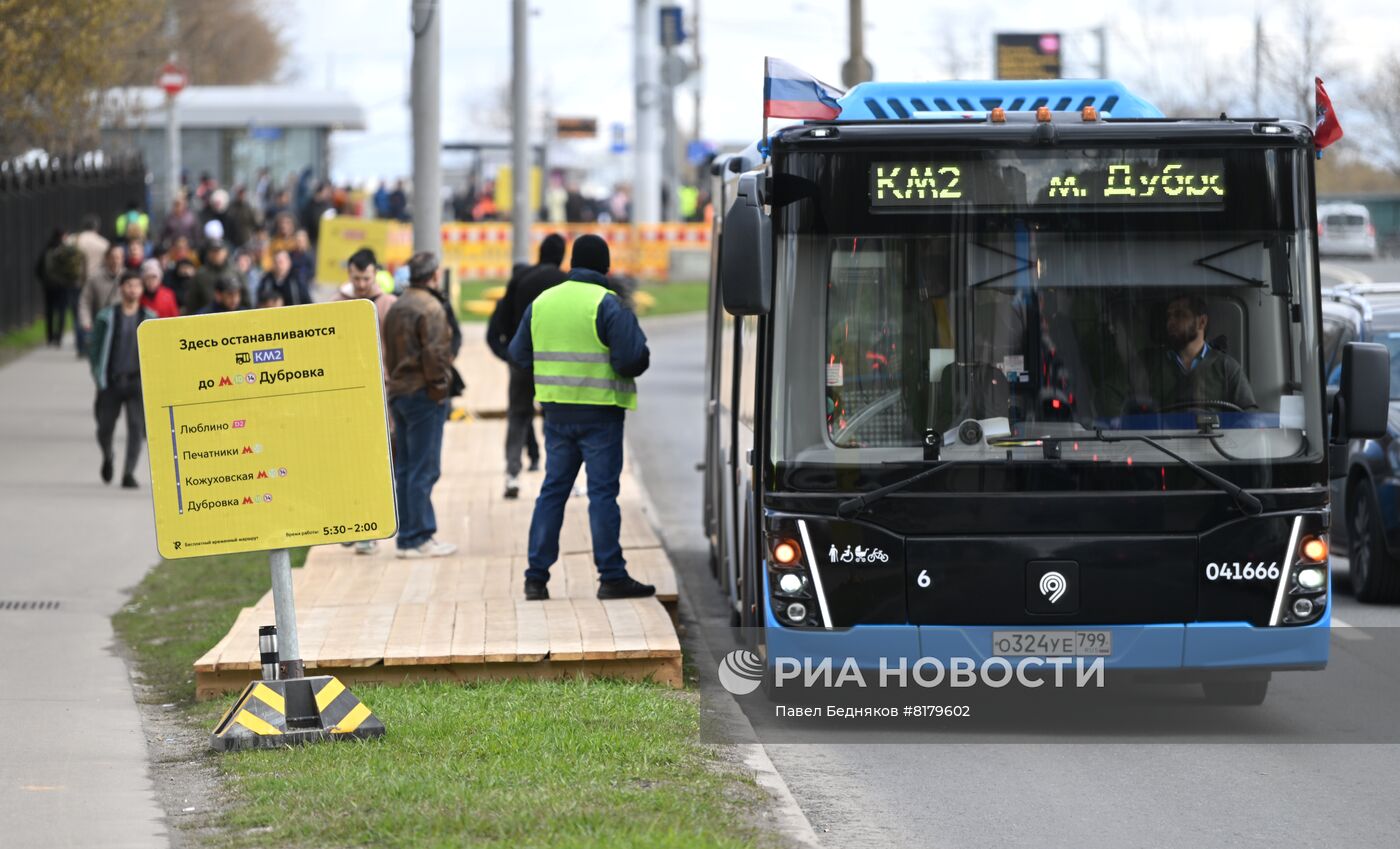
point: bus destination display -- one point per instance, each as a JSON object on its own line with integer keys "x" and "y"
{"x": 1017, "y": 182}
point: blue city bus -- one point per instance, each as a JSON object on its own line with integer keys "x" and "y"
{"x": 947, "y": 413}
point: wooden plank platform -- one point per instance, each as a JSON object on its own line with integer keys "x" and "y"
{"x": 375, "y": 618}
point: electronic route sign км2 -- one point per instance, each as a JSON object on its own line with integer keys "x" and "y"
{"x": 1142, "y": 179}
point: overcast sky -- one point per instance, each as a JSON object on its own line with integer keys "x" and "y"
{"x": 580, "y": 51}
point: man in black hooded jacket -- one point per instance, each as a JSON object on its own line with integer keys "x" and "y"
{"x": 520, "y": 411}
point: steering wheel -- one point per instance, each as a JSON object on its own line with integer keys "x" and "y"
{"x": 1214, "y": 403}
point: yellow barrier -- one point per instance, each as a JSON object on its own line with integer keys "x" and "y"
{"x": 483, "y": 251}
{"x": 391, "y": 241}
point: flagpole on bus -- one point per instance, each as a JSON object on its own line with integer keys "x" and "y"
{"x": 763, "y": 139}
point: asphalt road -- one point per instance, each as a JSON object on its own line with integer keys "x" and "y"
{"x": 1007, "y": 792}
{"x": 1349, "y": 270}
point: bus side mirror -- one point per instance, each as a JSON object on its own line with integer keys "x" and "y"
{"x": 746, "y": 253}
{"x": 1362, "y": 403}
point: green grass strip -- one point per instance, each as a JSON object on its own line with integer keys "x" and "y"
{"x": 522, "y": 763}
{"x": 24, "y": 338}
{"x": 579, "y": 763}
{"x": 182, "y": 608}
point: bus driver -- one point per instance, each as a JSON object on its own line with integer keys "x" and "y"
{"x": 1187, "y": 373}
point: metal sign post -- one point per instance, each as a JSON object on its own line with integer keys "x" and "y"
{"x": 290, "y": 664}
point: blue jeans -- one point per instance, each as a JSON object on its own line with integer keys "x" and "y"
{"x": 418, "y": 422}
{"x": 80, "y": 335}
{"x": 567, "y": 447}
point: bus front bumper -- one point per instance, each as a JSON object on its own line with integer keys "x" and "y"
{"x": 1197, "y": 645}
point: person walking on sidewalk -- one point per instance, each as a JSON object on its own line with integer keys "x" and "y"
{"x": 60, "y": 272}
{"x": 98, "y": 293}
{"x": 94, "y": 249}
{"x": 283, "y": 283}
{"x": 585, "y": 349}
{"x": 216, "y": 267}
{"x": 505, "y": 320}
{"x": 116, "y": 368}
{"x": 418, "y": 355}
{"x": 155, "y": 295}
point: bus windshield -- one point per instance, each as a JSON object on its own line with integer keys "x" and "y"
{"x": 988, "y": 298}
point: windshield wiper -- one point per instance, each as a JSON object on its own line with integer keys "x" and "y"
{"x": 1247, "y": 501}
{"x": 852, "y": 506}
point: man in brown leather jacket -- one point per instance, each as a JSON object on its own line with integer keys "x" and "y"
{"x": 418, "y": 357}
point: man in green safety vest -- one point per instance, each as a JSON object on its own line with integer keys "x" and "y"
{"x": 585, "y": 349}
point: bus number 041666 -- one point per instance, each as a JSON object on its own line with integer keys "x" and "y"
{"x": 1246, "y": 572}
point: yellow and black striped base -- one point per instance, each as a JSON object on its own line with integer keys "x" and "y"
{"x": 259, "y": 718}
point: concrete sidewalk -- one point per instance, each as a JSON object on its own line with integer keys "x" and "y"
{"x": 73, "y": 759}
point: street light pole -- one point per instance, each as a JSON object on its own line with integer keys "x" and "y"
{"x": 857, "y": 68}
{"x": 669, "y": 171}
{"x": 1102, "y": 32}
{"x": 427, "y": 130}
{"x": 521, "y": 204}
{"x": 646, "y": 176}
{"x": 173, "y": 164}
{"x": 699, "y": 80}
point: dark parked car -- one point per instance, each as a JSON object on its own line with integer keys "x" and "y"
{"x": 1366, "y": 503}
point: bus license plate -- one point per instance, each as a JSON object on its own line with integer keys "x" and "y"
{"x": 1052, "y": 643}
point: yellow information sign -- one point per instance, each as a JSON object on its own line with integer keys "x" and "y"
{"x": 267, "y": 429}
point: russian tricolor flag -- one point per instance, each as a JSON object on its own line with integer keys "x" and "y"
{"x": 789, "y": 92}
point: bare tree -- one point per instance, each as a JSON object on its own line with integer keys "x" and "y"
{"x": 491, "y": 109}
{"x": 221, "y": 42}
{"x": 234, "y": 42}
{"x": 1292, "y": 59}
{"x": 954, "y": 50}
{"x": 1382, "y": 93}
{"x": 1179, "y": 76}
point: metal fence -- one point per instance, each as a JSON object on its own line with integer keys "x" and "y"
{"x": 35, "y": 199}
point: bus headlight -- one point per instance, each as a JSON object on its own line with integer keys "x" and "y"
{"x": 1302, "y": 608}
{"x": 791, "y": 583}
{"x": 1312, "y": 578}
{"x": 797, "y": 612}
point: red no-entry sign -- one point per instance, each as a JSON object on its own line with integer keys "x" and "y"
{"x": 172, "y": 78}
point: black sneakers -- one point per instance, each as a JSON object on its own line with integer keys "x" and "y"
{"x": 628, "y": 587}
{"x": 129, "y": 482}
{"x": 624, "y": 588}
{"x": 107, "y": 470}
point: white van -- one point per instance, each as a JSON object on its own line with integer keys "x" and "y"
{"x": 1345, "y": 228}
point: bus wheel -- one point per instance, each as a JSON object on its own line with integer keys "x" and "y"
{"x": 1248, "y": 693}
{"x": 1375, "y": 576}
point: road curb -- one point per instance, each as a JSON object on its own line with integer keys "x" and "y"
{"x": 787, "y": 817}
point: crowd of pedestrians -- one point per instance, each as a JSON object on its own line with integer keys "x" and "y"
{"x": 571, "y": 340}
{"x": 214, "y": 252}
{"x": 209, "y": 242}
